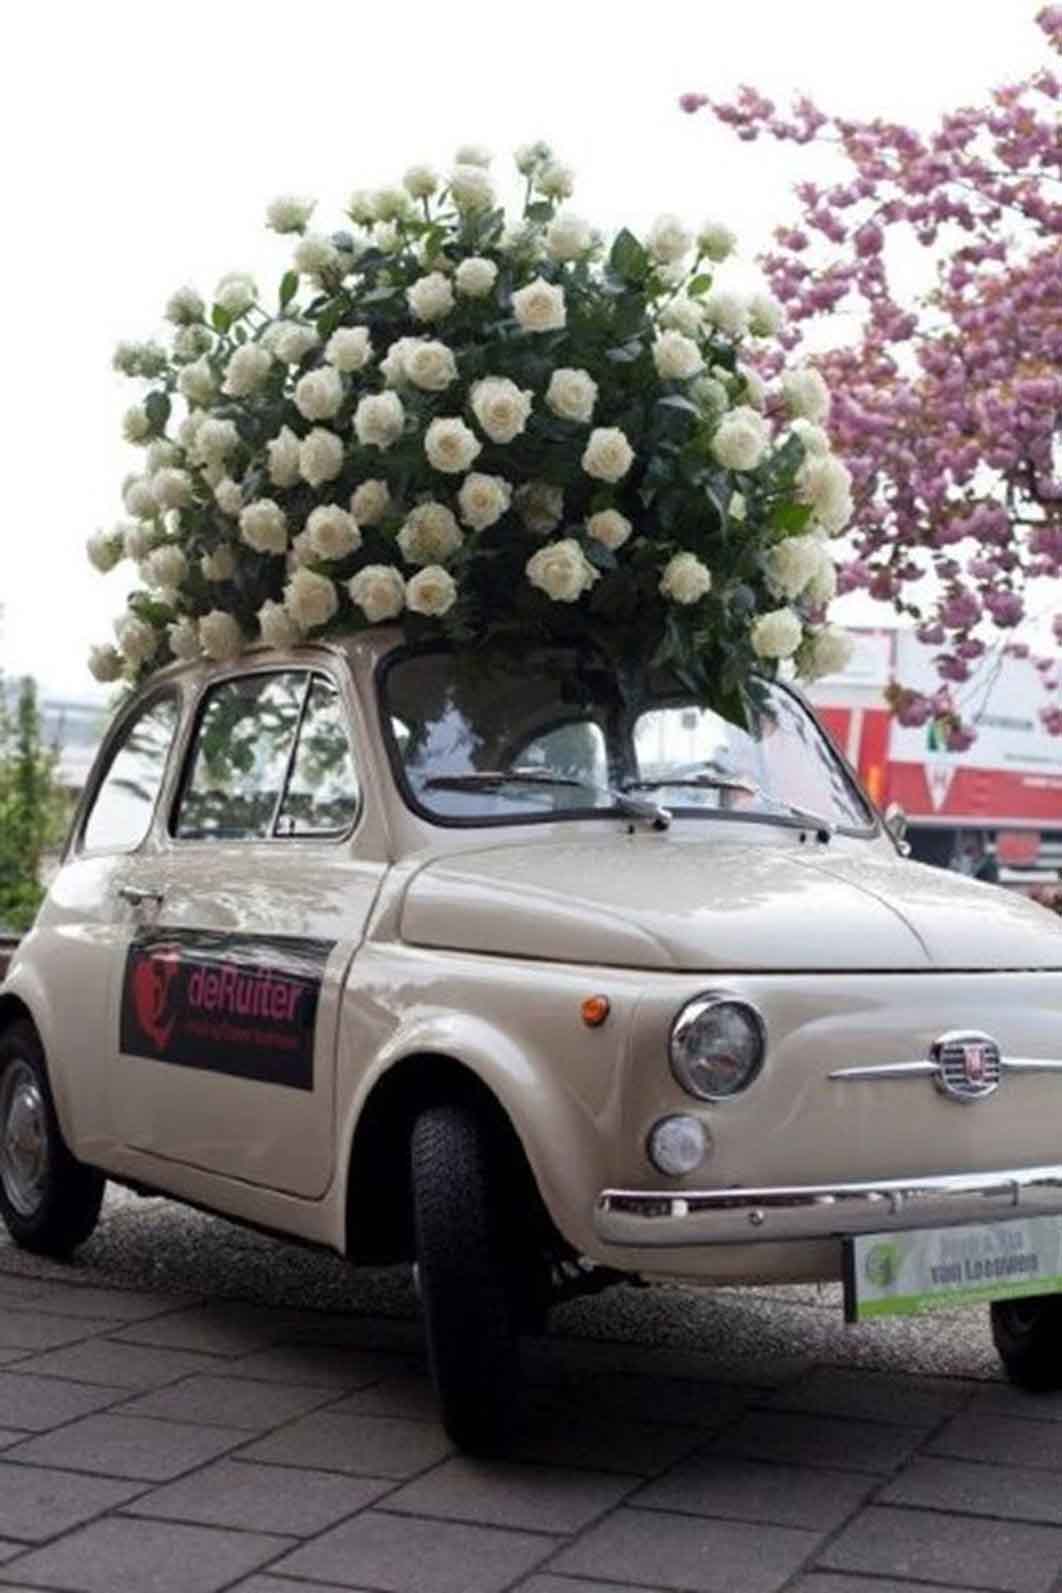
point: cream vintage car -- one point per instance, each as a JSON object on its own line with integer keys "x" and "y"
{"x": 476, "y": 961}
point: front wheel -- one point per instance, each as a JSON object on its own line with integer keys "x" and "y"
{"x": 48, "y": 1199}
{"x": 1028, "y": 1336}
{"x": 465, "y": 1276}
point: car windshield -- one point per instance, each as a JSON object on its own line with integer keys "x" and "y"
{"x": 539, "y": 732}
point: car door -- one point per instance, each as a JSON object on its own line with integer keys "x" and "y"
{"x": 228, "y": 1006}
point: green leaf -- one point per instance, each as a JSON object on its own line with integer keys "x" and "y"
{"x": 328, "y": 320}
{"x": 624, "y": 353}
{"x": 598, "y": 555}
{"x": 289, "y": 286}
{"x": 790, "y": 517}
{"x": 220, "y": 319}
{"x": 157, "y": 409}
{"x": 541, "y": 210}
{"x": 628, "y": 258}
{"x": 699, "y": 285}
{"x": 676, "y": 401}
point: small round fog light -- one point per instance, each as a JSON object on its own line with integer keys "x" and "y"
{"x": 677, "y": 1145}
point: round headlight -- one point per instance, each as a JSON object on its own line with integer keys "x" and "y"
{"x": 717, "y": 1047}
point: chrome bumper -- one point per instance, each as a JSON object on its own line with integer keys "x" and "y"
{"x": 651, "y": 1219}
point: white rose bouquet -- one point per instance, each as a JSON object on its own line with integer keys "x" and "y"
{"x": 471, "y": 427}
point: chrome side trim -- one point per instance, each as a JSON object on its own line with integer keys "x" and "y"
{"x": 927, "y": 1070}
{"x": 658, "y": 1218}
{"x": 1029, "y": 1064}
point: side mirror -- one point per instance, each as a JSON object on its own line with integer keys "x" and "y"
{"x": 896, "y": 825}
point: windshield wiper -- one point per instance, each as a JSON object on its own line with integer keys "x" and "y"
{"x": 711, "y": 781}
{"x": 652, "y": 812}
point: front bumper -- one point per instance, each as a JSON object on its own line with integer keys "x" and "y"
{"x": 655, "y": 1219}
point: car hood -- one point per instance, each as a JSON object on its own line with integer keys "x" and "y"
{"x": 673, "y": 901}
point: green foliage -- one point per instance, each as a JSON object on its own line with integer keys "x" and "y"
{"x": 33, "y": 807}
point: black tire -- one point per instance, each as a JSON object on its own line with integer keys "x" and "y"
{"x": 465, "y": 1277}
{"x": 1028, "y": 1336}
{"x": 49, "y": 1200}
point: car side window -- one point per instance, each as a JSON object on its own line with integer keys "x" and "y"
{"x": 121, "y": 811}
{"x": 240, "y": 757}
{"x": 321, "y": 796}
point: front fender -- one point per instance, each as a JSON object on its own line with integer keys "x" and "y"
{"x": 23, "y": 988}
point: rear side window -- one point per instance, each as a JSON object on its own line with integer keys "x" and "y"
{"x": 321, "y": 796}
{"x": 121, "y": 811}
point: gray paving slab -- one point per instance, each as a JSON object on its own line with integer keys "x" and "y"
{"x": 313, "y": 1366}
{"x": 820, "y": 1441}
{"x": 38, "y": 1403}
{"x": 562, "y": 1584}
{"x": 118, "y": 1365}
{"x": 284, "y": 1584}
{"x": 44, "y": 1330}
{"x": 221, "y": 1401}
{"x": 37, "y": 1502}
{"x": 596, "y": 1443}
{"x": 1010, "y": 1493}
{"x": 7, "y": 1437}
{"x": 682, "y": 1402}
{"x": 400, "y": 1554}
{"x": 119, "y": 1305}
{"x": 371, "y": 1446}
{"x": 1005, "y": 1400}
{"x": 128, "y": 1446}
{"x": 906, "y": 1402}
{"x": 1007, "y": 1440}
{"x": 212, "y": 1329}
{"x": 960, "y": 1551}
{"x": 254, "y": 1498}
{"x": 148, "y": 1556}
{"x": 501, "y": 1494}
{"x": 834, "y": 1582}
{"x": 8, "y": 1357}
{"x": 652, "y": 1549}
{"x": 408, "y": 1394}
{"x": 9, "y": 1550}
{"x": 750, "y": 1490}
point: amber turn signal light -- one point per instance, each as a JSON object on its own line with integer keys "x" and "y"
{"x": 595, "y": 1009}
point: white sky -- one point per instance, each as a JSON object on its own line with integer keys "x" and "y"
{"x": 143, "y": 143}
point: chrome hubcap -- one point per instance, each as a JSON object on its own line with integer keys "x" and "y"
{"x": 23, "y": 1139}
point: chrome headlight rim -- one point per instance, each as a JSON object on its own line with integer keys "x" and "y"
{"x": 692, "y": 1012}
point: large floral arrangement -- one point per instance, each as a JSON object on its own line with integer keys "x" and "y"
{"x": 473, "y": 428}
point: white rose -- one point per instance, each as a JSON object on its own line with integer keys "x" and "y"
{"x": 391, "y": 204}
{"x": 171, "y": 489}
{"x": 276, "y": 626}
{"x": 333, "y": 532}
{"x": 822, "y": 588}
{"x": 161, "y": 453}
{"x": 320, "y": 457}
{"x": 540, "y": 307}
{"x": 554, "y": 180}
{"x": 310, "y": 599}
{"x": 682, "y": 315}
{"x": 668, "y": 240}
{"x": 824, "y": 652}
{"x": 562, "y": 571}
{"x": 431, "y": 297}
{"x": 386, "y": 237}
{"x": 475, "y": 277}
{"x": 370, "y": 502}
{"x": 473, "y": 155}
{"x": 728, "y": 311}
{"x": 568, "y": 237}
{"x": 166, "y": 567}
{"x": 806, "y": 394}
{"x": 530, "y": 156}
{"x": 228, "y": 495}
{"x": 776, "y": 635}
{"x": 420, "y": 182}
{"x": 137, "y": 640}
{"x": 105, "y": 549}
{"x": 220, "y": 636}
{"x": 741, "y": 440}
{"x": 185, "y": 307}
{"x": 235, "y": 293}
{"x": 793, "y": 563}
{"x": 500, "y": 407}
{"x": 755, "y": 388}
{"x": 138, "y": 498}
{"x": 126, "y": 358}
{"x": 264, "y": 526}
{"x": 319, "y": 394}
{"x": 379, "y": 591}
{"x": 219, "y": 565}
{"x": 197, "y": 383}
{"x": 429, "y": 535}
{"x": 610, "y": 528}
{"x": 813, "y": 437}
{"x": 379, "y": 420}
{"x": 290, "y": 341}
{"x": 471, "y": 188}
{"x": 540, "y": 506}
{"x": 361, "y": 207}
{"x": 710, "y": 395}
{"x": 716, "y": 240}
{"x": 431, "y": 591}
{"x": 283, "y": 452}
{"x": 191, "y": 341}
{"x": 428, "y": 365}
{"x": 183, "y": 637}
{"x": 214, "y": 441}
{"x": 137, "y": 541}
{"x": 289, "y": 213}
{"x": 824, "y": 482}
{"x": 316, "y": 256}
{"x": 349, "y": 349}
{"x": 572, "y": 394}
{"x": 685, "y": 579}
{"x": 766, "y": 316}
{"x": 136, "y": 427}
{"x": 105, "y": 663}
{"x": 246, "y": 370}
{"x": 483, "y": 500}
{"x": 393, "y": 365}
{"x": 608, "y": 455}
{"x": 676, "y": 357}
{"x": 450, "y": 445}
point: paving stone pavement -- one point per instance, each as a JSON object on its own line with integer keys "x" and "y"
{"x": 188, "y": 1427}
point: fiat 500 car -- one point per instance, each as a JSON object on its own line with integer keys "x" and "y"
{"x": 475, "y": 961}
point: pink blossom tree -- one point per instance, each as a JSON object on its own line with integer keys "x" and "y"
{"x": 947, "y": 411}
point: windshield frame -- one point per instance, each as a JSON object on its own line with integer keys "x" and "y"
{"x": 679, "y": 699}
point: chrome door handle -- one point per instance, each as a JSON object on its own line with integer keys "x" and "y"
{"x": 136, "y": 896}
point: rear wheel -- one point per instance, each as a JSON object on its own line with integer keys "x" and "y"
{"x": 1028, "y": 1336}
{"x": 465, "y": 1275}
{"x": 48, "y": 1199}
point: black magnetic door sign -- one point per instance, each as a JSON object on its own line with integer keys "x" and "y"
{"x": 245, "y": 1005}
